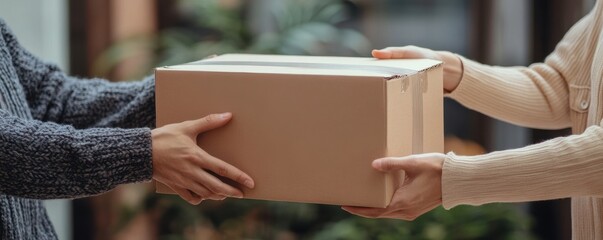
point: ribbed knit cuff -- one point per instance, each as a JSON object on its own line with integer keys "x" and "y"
{"x": 121, "y": 155}
{"x": 465, "y": 86}
{"x": 106, "y": 158}
{"x": 453, "y": 191}
{"x": 46, "y": 160}
{"x": 559, "y": 168}
{"x": 149, "y": 115}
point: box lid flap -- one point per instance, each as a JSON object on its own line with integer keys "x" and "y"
{"x": 308, "y": 65}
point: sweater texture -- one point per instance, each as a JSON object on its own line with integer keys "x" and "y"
{"x": 563, "y": 91}
{"x": 64, "y": 137}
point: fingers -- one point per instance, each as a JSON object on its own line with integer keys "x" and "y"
{"x": 204, "y": 162}
{"x": 408, "y": 214}
{"x": 406, "y": 52}
{"x": 174, "y": 145}
{"x": 216, "y": 197}
{"x": 193, "y": 198}
{"x": 412, "y": 213}
{"x": 395, "y": 164}
{"x": 187, "y": 195}
{"x": 215, "y": 186}
{"x": 209, "y": 122}
{"x": 366, "y": 212}
{"x": 226, "y": 170}
{"x": 397, "y": 52}
{"x": 381, "y": 213}
{"x": 413, "y": 163}
{"x": 381, "y": 53}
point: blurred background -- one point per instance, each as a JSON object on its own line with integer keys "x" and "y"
{"x": 125, "y": 40}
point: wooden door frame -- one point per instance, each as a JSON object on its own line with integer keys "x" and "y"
{"x": 551, "y": 19}
{"x": 93, "y": 26}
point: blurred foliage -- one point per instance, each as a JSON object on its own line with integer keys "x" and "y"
{"x": 297, "y": 27}
{"x": 304, "y": 27}
{"x": 254, "y": 219}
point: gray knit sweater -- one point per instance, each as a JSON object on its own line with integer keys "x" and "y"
{"x": 63, "y": 137}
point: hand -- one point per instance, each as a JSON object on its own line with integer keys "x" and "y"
{"x": 183, "y": 166}
{"x": 453, "y": 67}
{"x": 419, "y": 191}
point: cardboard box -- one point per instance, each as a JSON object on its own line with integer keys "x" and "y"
{"x": 306, "y": 129}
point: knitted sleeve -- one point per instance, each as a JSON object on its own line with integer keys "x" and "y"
{"x": 535, "y": 96}
{"x": 46, "y": 160}
{"x": 538, "y": 97}
{"x": 559, "y": 168}
{"x": 54, "y": 96}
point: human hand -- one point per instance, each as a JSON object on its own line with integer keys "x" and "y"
{"x": 183, "y": 166}
{"x": 453, "y": 67}
{"x": 419, "y": 191}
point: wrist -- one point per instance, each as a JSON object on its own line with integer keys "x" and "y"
{"x": 453, "y": 70}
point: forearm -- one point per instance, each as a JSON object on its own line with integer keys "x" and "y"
{"x": 453, "y": 70}
{"x": 98, "y": 103}
{"x": 47, "y": 160}
{"x": 560, "y": 168}
{"x": 54, "y": 96}
{"x": 535, "y": 97}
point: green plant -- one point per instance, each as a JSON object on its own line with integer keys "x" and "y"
{"x": 253, "y": 219}
{"x": 300, "y": 27}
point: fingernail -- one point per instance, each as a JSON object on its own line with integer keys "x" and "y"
{"x": 377, "y": 163}
{"x": 224, "y": 115}
{"x": 237, "y": 196}
{"x": 248, "y": 183}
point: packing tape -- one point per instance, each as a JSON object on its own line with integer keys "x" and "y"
{"x": 419, "y": 86}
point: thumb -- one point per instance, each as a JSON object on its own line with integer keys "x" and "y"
{"x": 395, "y": 164}
{"x": 394, "y": 52}
{"x": 381, "y": 53}
{"x": 210, "y": 122}
{"x": 406, "y": 52}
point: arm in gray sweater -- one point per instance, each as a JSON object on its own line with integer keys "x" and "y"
{"x": 61, "y": 154}
{"x": 47, "y": 160}
{"x": 54, "y": 96}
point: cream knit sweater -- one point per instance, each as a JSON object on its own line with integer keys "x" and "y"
{"x": 564, "y": 91}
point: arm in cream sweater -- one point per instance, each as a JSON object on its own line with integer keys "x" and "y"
{"x": 559, "y": 168}
{"x": 535, "y": 96}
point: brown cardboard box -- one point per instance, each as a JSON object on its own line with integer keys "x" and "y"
{"x": 306, "y": 129}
